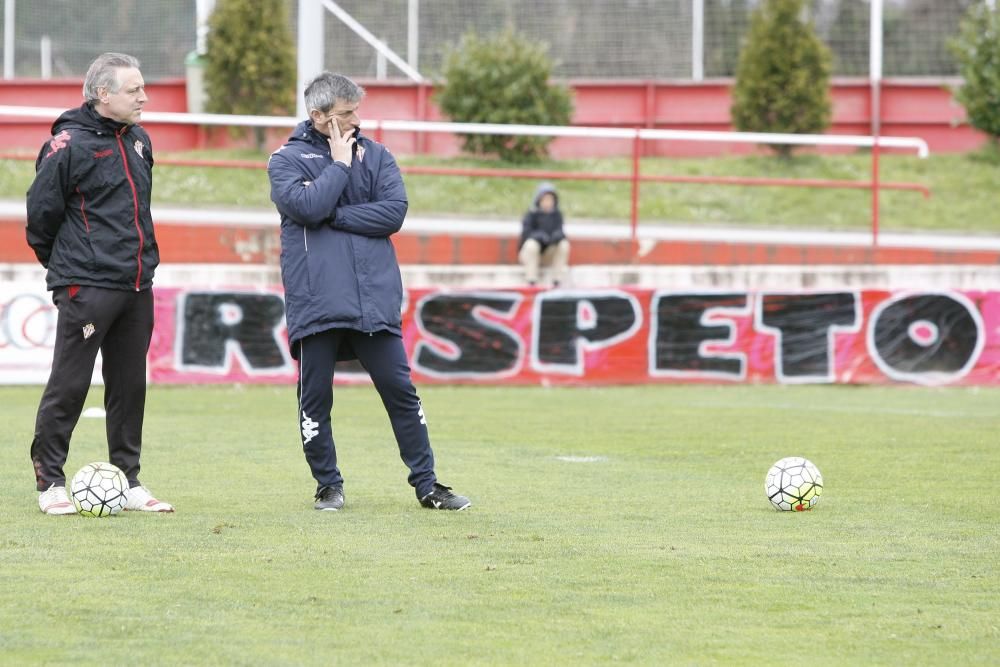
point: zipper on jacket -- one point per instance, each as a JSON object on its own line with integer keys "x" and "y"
{"x": 135, "y": 208}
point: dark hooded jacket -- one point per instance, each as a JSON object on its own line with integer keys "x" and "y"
{"x": 88, "y": 207}
{"x": 544, "y": 227}
{"x": 338, "y": 264}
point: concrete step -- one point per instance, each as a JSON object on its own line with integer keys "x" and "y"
{"x": 246, "y": 236}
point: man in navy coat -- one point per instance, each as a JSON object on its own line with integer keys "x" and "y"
{"x": 341, "y": 197}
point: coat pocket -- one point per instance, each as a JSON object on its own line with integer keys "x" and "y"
{"x": 332, "y": 276}
{"x": 294, "y": 260}
{"x": 73, "y": 252}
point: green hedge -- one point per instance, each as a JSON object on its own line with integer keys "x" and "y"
{"x": 783, "y": 77}
{"x": 503, "y": 78}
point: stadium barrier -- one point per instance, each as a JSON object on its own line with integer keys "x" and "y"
{"x": 749, "y": 332}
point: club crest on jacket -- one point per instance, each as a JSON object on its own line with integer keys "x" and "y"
{"x": 57, "y": 142}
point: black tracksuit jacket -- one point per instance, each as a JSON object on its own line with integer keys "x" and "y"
{"x": 88, "y": 207}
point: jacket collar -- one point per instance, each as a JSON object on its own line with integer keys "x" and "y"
{"x": 307, "y": 131}
{"x": 86, "y": 116}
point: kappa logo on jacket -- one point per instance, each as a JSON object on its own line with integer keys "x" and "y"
{"x": 59, "y": 141}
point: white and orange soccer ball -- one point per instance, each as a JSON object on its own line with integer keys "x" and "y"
{"x": 99, "y": 489}
{"x": 793, "y": 484}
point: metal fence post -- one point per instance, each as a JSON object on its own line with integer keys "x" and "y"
{"x": 636, "y": 151}
{"x": 875, "y": 75}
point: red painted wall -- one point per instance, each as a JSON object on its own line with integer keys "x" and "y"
{"x": 223, "y": 244}
{"x": 921, "y": 108}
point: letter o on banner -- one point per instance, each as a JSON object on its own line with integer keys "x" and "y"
{"x": 929, "y": 339}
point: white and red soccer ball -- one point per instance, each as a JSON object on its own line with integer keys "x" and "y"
{"x": 793, "y": 484}
{"x": 99, "y": 490}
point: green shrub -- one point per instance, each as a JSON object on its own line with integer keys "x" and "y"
{"x": 783, "y": 76}
{"x": 502, "y": 79}
{"x": 250, "y": 66}
{"x": 977, "y": 49}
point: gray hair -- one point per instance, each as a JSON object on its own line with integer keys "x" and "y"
{"x": 327, "y": 89}
{"x": 103, "y": 73}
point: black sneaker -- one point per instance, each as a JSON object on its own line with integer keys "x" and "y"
{"x": 441, "y": 498}
{"x": 330, "y": 498}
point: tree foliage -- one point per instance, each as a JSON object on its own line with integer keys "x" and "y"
{"x": 977, "y": 49}
{"x": 250, "y": 65}
{"x": 783, "y": 77}
{"x": 503, "y": 78}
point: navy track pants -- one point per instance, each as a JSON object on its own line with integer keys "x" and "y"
{"x": 382, "y": 354}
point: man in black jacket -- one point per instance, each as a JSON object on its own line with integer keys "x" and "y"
{"x": 90, "y": 226}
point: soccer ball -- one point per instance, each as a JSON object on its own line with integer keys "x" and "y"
{"x": 99, "y": 489}
{"x": 793, "y": 483}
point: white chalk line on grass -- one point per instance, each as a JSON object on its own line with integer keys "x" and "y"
{"x": 917, "y": 412}
{"x": 581, "y": 459}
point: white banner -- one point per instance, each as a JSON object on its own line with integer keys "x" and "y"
{"x": 28, "y": 334}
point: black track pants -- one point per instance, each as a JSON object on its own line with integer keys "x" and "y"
{"x": 119, "y": 323}
{"x": 384, "y": 357}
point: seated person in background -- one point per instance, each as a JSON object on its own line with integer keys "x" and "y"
{"x": 543, "y": 242}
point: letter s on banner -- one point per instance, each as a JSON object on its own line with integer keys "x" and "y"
{"x": 461, "y": 342}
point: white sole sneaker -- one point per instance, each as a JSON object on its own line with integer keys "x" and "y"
{"x": 141, "y": 500}
{"x": 55, "y": 501}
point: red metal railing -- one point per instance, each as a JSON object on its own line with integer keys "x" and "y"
{"x": 637, "y": 135}
{"x": 636, "y": 177}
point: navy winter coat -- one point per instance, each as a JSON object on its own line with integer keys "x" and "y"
{"x": 88, "y": 207}
{"x": 338, "y": 265}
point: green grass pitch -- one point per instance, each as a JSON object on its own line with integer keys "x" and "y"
{"x": 624, "y": 524}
